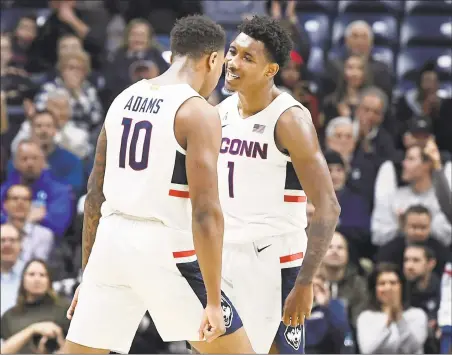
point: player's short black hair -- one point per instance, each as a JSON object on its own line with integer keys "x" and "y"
{"x": 195, "y": 36}
{"x": 275, "y": 37}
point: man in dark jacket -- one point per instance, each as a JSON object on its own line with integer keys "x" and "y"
{"x": 416, "y": 226}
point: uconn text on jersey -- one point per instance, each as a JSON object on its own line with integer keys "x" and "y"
{"x": 243, "y": 147}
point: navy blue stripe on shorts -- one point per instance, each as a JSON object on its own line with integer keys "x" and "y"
{"x": 289, "y": 340}
{"x": 192, "y": 273}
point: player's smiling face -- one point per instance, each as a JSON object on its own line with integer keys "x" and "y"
{"x": 246, "y": 63}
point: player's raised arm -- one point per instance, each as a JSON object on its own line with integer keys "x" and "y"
{"x": 296, "y": 133}
{"x": 202, "y": 128}
{"x": 94, "y": 198}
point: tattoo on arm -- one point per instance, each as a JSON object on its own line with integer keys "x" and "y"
{"x": 94, "y": 198}
{"x": 320, "y": 233}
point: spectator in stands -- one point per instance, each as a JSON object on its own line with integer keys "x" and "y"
{"x": 52, "y": 205}
{"x": 37, "y": 323}
{"x": 372, "y": 137}
{"x": 424, "y": 287}
{"x": 389, "y": 175}
{"x": 343, "y": 278}
{"x": 359, "y": 40}
{"x": 351, "y": 81}
{"x": 24, "y": 35}
{"x": 68, "y": 136}
{"x": 418, "y": 170}
{"x": 11, "y": 265}
{"x": 37, "y": 241}
{"x": 416, "y": 224}
{"x": 14, "y": 81}
{"x": 65, "y": 167}
{"x": 354, "y": 221}
{"x": 362, "y": 166}
{"x": 139, "y": 48}
{"x": 328, "y": 324}
{"x": 86, "y": 108}
{"x": 390, "y": 325}
{"x": 424, "y": 101}
{"x": 64, "y": 19}
{"x": 222, "y": 12}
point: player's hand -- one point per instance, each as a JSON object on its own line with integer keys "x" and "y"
{"x": 298, "y": 305}
{"x": 71, "y": 309}
{"x": 212, "y": 324}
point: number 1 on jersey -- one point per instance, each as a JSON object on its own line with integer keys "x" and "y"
{"x": 133, "y": 163}
{"x": 231, "y": 178}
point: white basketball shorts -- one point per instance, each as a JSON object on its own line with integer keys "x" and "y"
{"x": 136, "y": 266}
{"x": 257, "y": 277}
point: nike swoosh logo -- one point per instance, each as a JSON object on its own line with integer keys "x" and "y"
{"x": 225, "y": 125}
{"x": 259, "y": 250}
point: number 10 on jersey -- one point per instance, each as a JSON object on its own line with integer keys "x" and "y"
{"x": 133, "y": 163}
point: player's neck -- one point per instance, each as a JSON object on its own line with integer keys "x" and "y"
{"x": 181, "y": 71}
{"x": 255, "y": 100}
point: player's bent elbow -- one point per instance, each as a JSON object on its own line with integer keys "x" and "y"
{"x": 208, "y": 217}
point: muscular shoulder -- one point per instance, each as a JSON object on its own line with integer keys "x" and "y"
{"x": 196, "y": 108}
{"x": 293, "y": 127}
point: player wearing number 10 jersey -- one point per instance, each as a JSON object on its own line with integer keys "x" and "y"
{"x": 158, "y": 151}
{"x": 269, "y": 161}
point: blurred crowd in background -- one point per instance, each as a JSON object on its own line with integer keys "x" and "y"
{"x": 376, "y": 77}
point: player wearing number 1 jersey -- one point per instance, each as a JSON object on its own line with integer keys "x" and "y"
{"x": 269, "y": 161}
{"x": 158, "y": 151}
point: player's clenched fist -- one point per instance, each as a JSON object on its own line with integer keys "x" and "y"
{"x": 212, "y": 324}
{"x": 298, "y": 305}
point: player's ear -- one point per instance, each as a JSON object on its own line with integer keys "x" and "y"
{"x": 272, "y": 70}
{"x": 213, "y": 58}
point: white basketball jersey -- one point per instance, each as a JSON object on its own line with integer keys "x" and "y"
{"x": 145, "y": 173}
{"x": 259, "y": 190}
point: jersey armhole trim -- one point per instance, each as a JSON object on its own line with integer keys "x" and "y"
{"x": 285, "y": 156}
{"x": 178, "y": 146}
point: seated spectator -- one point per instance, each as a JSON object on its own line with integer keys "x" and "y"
{"x": 359, "y": 40}
{"x": 362, "y": 167}
{"x": 37, "y": 323}
{"x": 351, "y": 81}
{"x": 416, "y": 224}
{"x": 418, "y": 173}
{"x": 73, "y": 68}
{"x": 372, "y": 137}
{"x": 24, "y": 35}
{"x": 52, "y": 201}
{"x": 140, "y": 48}
{"x": 328, "y": 325}
{"x": 16, "y": 86}
{"x": 354, "y": 221}
{"x": 424, "y": 287}
{"x": 389, "y": 175}
{"x": 390, "y": 325}
{"x": 68, "y": 136}
{"x": 65, "y": 167}
{"x": 11, "y": 266}
{"x": 64, "y": 19}
{"x": 342, "y": 276}
{"x": 37, "y": 241}
{"x": 424, "y": 101}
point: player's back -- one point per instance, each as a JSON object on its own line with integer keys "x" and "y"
{"x": 145, "y": 173}
{"x": 259, "y": 190}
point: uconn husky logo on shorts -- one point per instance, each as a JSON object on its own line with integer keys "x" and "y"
{"x": 293, "y": 336}
{"x": 227, "y": 312}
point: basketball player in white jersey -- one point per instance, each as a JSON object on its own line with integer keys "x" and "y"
{"x": 270, "y": 160}
{"x": 158, "y": 150}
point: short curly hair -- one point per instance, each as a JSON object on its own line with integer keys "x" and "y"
{"x": 195, "y": 36}
{"x": 276, "y": 39}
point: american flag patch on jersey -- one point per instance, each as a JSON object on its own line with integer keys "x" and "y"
{"x": 258, "y": 128}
